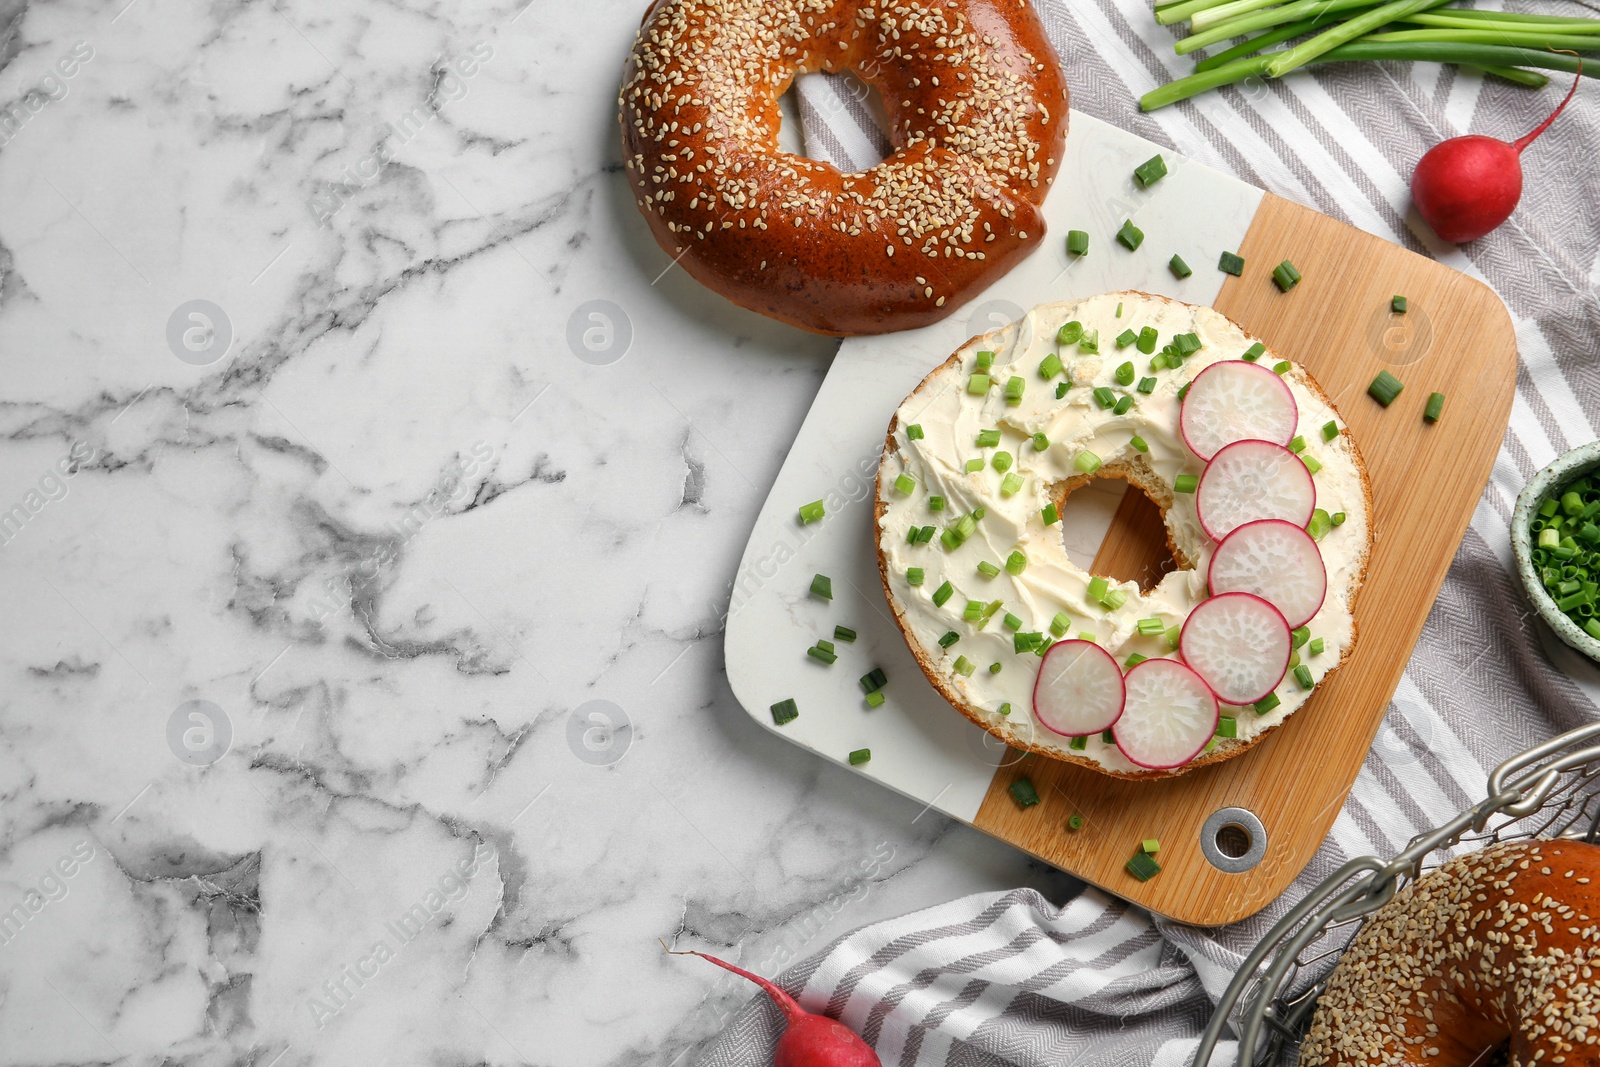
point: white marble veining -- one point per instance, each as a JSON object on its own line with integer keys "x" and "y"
{"x": 307, "y": 598}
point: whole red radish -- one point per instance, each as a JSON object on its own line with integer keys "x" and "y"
{"x": 1466, "y": 186}
{"x": 809, "y": 1040}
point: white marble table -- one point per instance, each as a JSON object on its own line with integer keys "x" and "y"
{"x": 327, "y": 516}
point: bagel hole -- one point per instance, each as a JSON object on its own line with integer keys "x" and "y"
{"x": 850, "y": 121}
{"x": 1233, "y": 840}
{"x": 1111, "y": 528}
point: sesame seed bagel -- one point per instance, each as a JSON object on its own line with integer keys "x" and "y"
{"x": 1496, "y": 945}
{"x": 956, "y": 453}
{"x": 978, "y": 111}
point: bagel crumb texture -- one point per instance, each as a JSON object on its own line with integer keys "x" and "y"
{"x": 1499, "y": 943}
{"x": 978, "y": 112}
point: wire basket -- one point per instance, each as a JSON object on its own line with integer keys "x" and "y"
{"x": 1552, "y": 790}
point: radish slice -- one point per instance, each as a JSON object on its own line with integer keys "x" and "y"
{"x": 1239, "y": 644}
{"x": 1079, "y": 689}
{"x": 1251, "y": 480}
{"x": 1277, "y": 561}
{"x": 1237, "y": 401}
{"x": 1170, "y": 717}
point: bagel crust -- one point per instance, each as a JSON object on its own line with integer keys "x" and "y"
{"x": 978, "y": 111}
{"x": 995, "y": 688}
{"x": 1495, "y": 945}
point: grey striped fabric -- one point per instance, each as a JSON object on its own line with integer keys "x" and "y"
{"x": 1009, "y": 979}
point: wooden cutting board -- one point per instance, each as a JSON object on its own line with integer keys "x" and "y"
{"x": 1426, "y": 480}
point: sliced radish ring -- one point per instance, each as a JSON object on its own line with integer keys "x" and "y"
{"x": 1079, "y": 689}
{"x": 1236, "y": 401}
{"x": 1277, "y": 561}
{"x": 1170, "y": 715}
{"x": 1251, "y": 480}
{"x": 1239, "y": 644}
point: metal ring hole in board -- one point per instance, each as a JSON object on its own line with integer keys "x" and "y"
{"x": 1233, "y": 840}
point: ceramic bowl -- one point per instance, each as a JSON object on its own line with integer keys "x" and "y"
{"x": 1569, "y": 465}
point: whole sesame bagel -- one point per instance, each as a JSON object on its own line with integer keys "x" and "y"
{"x": 978, "y": 111}
{"x": 1496, "y": 947}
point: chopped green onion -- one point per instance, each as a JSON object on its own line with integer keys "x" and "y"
{"x": 1282, "y": 367}
{"x": 1330, "y": 430}
{"x": 1105, "y": 397}
{"x": 1026, "y": 642}
{"x": 1312, "y": 463}
{"x": 988, "y": 438}
{"x": 1254, "y": 352}
{"x": 963, "y": 666}
{"x": 1069, "y": 332}
{"x": 860, "y": 756}
{"x": 1184, "y": 391}
{"x": 1040, "y": 442}
{"x": 1133, "y": 660}
{"x": 1285, "y": 276}
{"x": 1151, "y": 627}
{"x": 1051, "y": 515}
{"x": 1010, "y": 484}
{"x": 973, "y": 611}
{"x": 1150, "y": 844}
{"x": 1014, "y": 387}
{"x": 1088, "y": 635}
{"x": 943, "y": 593}
{"x": 1123, "y": 406}
{"x": 875, "y": 699}
{"x": 1267, "y": 703}
{"x": 1316, "y": 647}
{"x": 1178, "y": 267}
{"x": 1435, "y": 407}
{"x": 1299, "y": 636}
{"x": 1302, "y": 674}
{"x": 1321, "y": 522}
{"x": 1297, "y": 444}
{"x": 1115, "y": 599}
{"x": 1384, "y": 388}
{"x": 1227, "y": 726}
{"x": 822, "y": 586}
{"x": 1397, "y": 303}
{"x": 1050, "y": 366}
{"x": 818, "y": 653}
{"x": 1143, "y": 866}
{"x": 1150, "y": 171}
{"x": 987, "y": 569}
{"x": 826, "y": 646}
{"x": 1186, "y": 483}
{"x": 1108, "y": 737}
{"x": 1126, "y": 338}
{"x": 936, "y": 503}
{"x": 905, "y": 484}
{"x": 1023, "y": 792}
{"x": 1230, "y": 263}
{"x": 1075, "y": 821}
{"x": 1147, "y": 386}
{"x": 1016, "y": 563}
{"x": 1001, "y": 462}
{"x": 978, "y": 384}
{"x": 1125, "y": 374}
{"x": 1060, "y": 624}
{"x": 1158, "y": 362}
{"x": 1077, "y": 242}
{"x": 844, "y": 633}
{"x": 1077, "y": 744}
{"x": 985, "y": 360}
{"x": 914, "y": 432}
{"x": 1011, "y": 622}
{"x": 1061, "y": 389}
{"x": 950, "y": 637}
{"x": 1089, "y": 342}
{"x": 974, "y": 465}
{"x": 994, "y": 668}
{"x": 1139, "y": 443}
{"x": 1174, "y": 635}
{"x": 1130, "y": 236}
{"x": 915, "y": 575}
{"x": 1338, "y": 518}
{"x": 1086, "y": 462}
{"x": 1004, "y": 709}
{"x": 1098, "y": 587}
{"x": 811, "y": 512}
{"x": 785, "y": 711}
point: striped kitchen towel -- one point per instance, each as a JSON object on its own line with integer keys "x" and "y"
{"x": 1009, "y": 979}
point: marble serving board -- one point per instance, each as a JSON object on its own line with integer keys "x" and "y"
{"x": 920, "y": 746}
